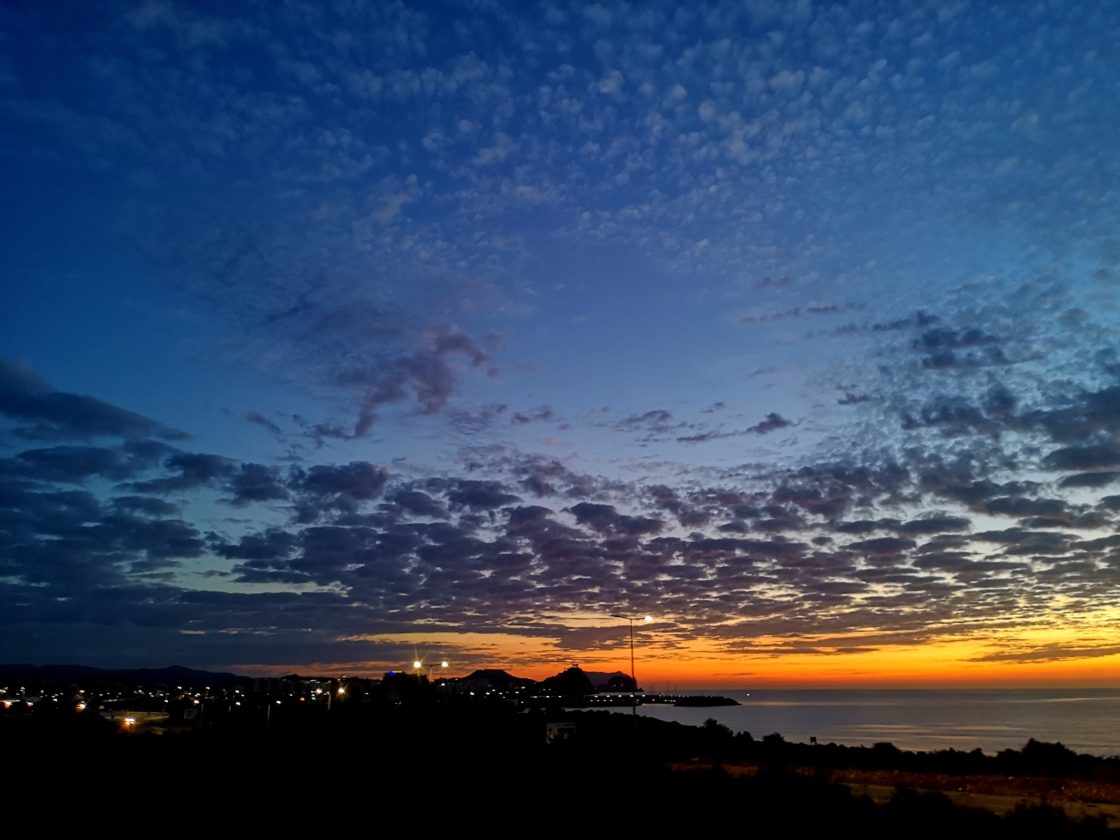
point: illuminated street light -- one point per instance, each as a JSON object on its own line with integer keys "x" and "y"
{"x": 418, "y": 667}
{"x": 633, "y": 677}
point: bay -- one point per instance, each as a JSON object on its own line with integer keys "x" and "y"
{"x": 1085, "y": 720}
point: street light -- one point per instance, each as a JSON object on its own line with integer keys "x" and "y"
{"x": 633, "y": 677}
{"x": 418, "y": 666}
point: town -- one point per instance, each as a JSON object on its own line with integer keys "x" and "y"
{"x": 155, "y": 700}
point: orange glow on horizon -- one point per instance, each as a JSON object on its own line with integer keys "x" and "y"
{"x": 701, "y": 664}
{"x": 1048, "y": 650}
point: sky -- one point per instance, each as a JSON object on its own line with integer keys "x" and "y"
{"x": 339, "y": 334}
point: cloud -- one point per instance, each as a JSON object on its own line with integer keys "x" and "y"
{"x": 260, "y": 420}
{"x": 656, "y": 418}
{"x": 1022, "y": 541}
{"x": 652, "y": 423}
{"x": 1092, "y": 479}
{"x": 75, "y": 464}
{"x": 935, "y": 525}
{"x": 952, "y": 416}
{"x": 611, "y": 83}
{"x": 918, "y": 319}
{"x": 704, "y": 437}
{"x": 275, "y": 545}
{"x": 27, "y": 397}
{"x": 67, "y": 541}
{"x": 952, "y": 359}
{"x": 195, "y": 470}
{"x": 1049, "y": 653}
{"x": 478, "y": 421}
{"x": 1110, "y": 502}
{"x": 325, "y": 487}
{"x": 607, "y": 520}
{"x": 477, "y": 495}
{"x": 798, "y": 312}
{"x": 1084, "y": 457}
{"x": 426, "y": 374}
{"x": 543, "y": 413}
{"x": 1088, "y": 414}
{"x": 256, "y": 483}
{"x": 1009, "y": 506}
{"x": 144, "y": 506}
{"x": 770, "y": 423}
{"x": 416, "y": 503}
{"x": 882, "y": 546}
{"x": 689, "y": 516}
{"x": 946, "y": 338}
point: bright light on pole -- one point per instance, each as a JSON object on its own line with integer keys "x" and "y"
{"x": 419, "y": 668}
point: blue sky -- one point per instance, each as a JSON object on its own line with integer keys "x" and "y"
{"x": 335, "y": 329}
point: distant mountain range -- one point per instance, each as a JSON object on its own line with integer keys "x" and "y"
{"x": 178, "y": 675}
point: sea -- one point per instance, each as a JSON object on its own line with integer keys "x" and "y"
{"x": 1086, "y": 720}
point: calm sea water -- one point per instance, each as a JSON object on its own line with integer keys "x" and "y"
{"x": 1084, "y": 720}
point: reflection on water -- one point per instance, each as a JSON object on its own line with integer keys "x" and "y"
{"x": 1083, "y": 720}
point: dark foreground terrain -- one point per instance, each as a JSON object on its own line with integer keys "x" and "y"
{"x": 489, "y": 770}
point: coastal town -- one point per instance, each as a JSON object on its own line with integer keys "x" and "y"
{"x": 156, "y": 699}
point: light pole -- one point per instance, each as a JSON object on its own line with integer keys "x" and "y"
{"x": 633, "y": 677}
{"x": 418, "y": 667}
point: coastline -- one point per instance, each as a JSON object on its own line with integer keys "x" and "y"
{"x": 1086, "y": 720}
